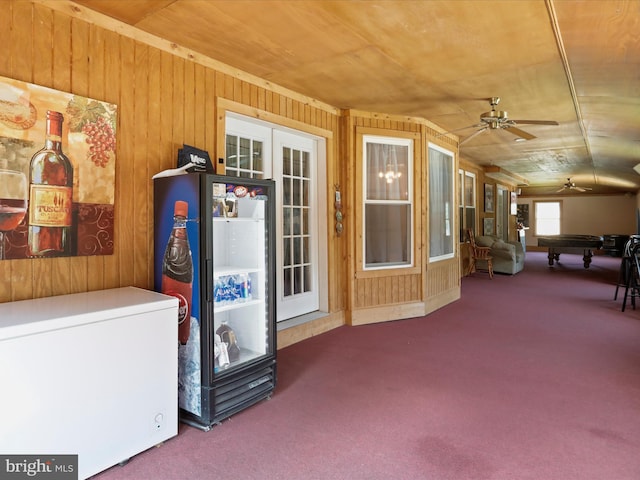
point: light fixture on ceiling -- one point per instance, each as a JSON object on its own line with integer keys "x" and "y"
{"x": 637, "y": 169}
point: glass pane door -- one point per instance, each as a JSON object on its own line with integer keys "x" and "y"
{"x": 240, "y": 271}
{"x": 298, "y": 278}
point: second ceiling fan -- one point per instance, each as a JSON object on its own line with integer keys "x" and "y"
{"x": 498, "y": 119}
{"x": 572, "y": 186}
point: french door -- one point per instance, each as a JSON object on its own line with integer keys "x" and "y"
{"x": 259, "y": 150}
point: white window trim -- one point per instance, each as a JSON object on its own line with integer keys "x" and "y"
{"x": 452, "y": 215}
{"x": 463, "y": 220}
{"x": 384, "y": 140}
{"x": 535, "y": 213}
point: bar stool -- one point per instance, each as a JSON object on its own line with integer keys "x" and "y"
{"x": 632, "y": 287}
{"x": 626, "y": 263}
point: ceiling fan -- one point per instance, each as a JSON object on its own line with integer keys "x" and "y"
{"x": 572, "y": 186}
{"x": 496, "y": 119}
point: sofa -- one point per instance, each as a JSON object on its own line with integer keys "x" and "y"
{"x": 508, "y": 257}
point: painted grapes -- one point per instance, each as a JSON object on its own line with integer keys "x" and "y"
{"x": 101, "y": 140}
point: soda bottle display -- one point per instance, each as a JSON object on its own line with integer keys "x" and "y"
{"x": 51, "y": 195}
{"x": 177, "y": 269}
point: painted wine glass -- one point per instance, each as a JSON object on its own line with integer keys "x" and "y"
{"x": 13, "y": 203}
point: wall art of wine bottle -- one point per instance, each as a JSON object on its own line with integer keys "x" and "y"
{"x": 57, "y": 162}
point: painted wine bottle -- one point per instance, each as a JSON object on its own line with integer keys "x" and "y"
{"x": 51, "y": 195}
{"x": 177, "y": 269}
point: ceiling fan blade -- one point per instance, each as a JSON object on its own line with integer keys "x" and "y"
{"x": 535, "y": 122}
{"x": 562, "y": 189}
{"x": 473, "y": 135}
{"x": 520, "y": 133}
{"x": 580, "y": 189}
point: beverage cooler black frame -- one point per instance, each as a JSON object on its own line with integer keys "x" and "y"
{"x": 226, "y": 392}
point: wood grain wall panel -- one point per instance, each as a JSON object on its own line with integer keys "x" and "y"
{"x": 188, "y": 90}
{"x": 228, "y": 84}
{"x": 237, "y": 90}
{"x": 442, "y": 277}
{"x": 138, "y": 168}
{"x": 246, "y": 97}
{"x": 21, "y": 46}
{"x": 389, "y": 290}
{"x": 275, "y": 103}
{"x": 199, "y": 106}
{"x": 167, "y": 106}
{"x": 253, "y": 95}
{"x": 177, "y": 83}
{"x": 43, "y": 46}
{"x": 154, "y": 165}
{"x": 210, "y": 114}
{"x": 268, "y": 101}
{"x": 124, "y": 208}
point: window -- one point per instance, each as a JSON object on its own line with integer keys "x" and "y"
{"x": 441, "y": 200}
{"x": 547, "y": 218}
{"x": 388, "y": 204}
{"x": 244, "y": 156}
{"x": 467, "y": 202}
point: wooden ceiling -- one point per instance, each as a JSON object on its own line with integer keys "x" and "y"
{"x": 573, "y": 61}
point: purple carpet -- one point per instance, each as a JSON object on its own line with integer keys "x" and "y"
{"x": 533, "y": 376}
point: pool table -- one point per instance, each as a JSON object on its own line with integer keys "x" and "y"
{"x": 558, "y": 244}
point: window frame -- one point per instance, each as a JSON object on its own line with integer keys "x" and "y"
{"x": 536, "y": 232}
{"x": 409, "y": 138}
{"x": 452, "y": 200}
{"x": 463, "y": 175}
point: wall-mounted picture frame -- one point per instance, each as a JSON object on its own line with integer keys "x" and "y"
{"x": 488, "y": 226}
{"x": 63, "y": 147}
{"x": 523, "y": 214}
{"x": 489, "y": 197}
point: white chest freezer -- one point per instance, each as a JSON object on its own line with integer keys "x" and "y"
{"x": 93, "y": 374}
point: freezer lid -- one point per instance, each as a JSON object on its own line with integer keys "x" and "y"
{"x": 30, "y": 317}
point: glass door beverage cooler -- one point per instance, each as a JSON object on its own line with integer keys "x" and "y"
{"x": 214, "y": 251}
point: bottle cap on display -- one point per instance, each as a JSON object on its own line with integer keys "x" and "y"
{"x": 181, "y": 209}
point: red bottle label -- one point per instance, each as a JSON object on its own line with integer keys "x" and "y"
{"x": 182, "y": 291}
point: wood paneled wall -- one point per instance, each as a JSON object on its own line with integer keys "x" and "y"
{"x": 165, "y": 99}
{"x": 418, "y": 290}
